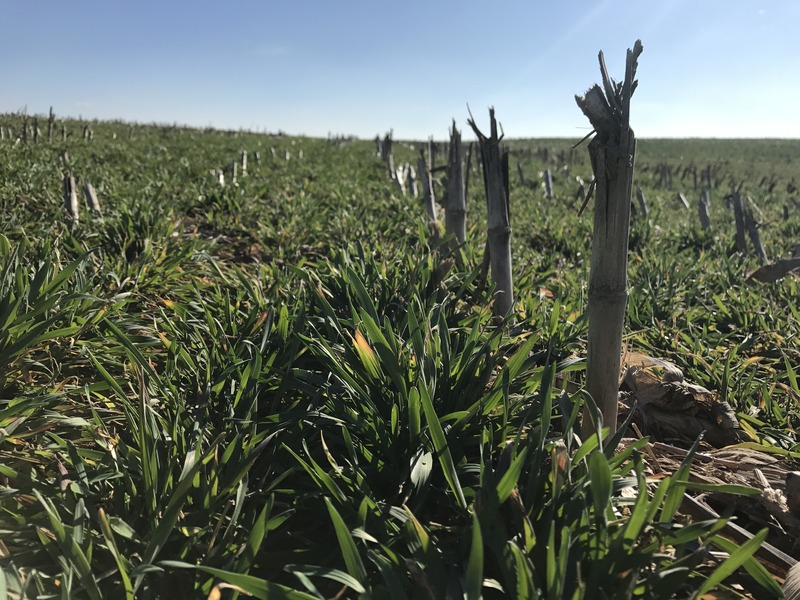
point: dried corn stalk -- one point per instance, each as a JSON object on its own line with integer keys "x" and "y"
{"x": 495, "y": 179}
{"x": 91, "y": 197}
{"x": 70, "y": 201}
{"x": 612, "y": 153}
{"x": 456, "y": 208}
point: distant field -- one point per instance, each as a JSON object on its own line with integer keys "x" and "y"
{"x": 744, "y": 158}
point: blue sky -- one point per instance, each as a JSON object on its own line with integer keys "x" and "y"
{"x": 710, "y": 68}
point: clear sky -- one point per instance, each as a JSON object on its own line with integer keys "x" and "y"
{"x": 710, "y": 68}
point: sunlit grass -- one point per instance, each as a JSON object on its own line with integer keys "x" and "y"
{"x": 277, "y": 387}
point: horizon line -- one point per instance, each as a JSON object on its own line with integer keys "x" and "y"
{"x": 22, "y": 113}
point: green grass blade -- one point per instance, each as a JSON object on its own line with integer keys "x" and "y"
{"x": 678, "y": 486}
{"x": 414, "y": 417}
{"x": 328, "y": 573}
{"x": 419, "y": 530}
{"x": 133, "y": 352}
{"x": 638, "y": 517}
{"x": 112, "y": 383}
{"x": 588, "y": 446}
{"x": 509, "y": 479}
{"x": 551, "y": 564}
{"x": 694, "y": 531}
{"x": 738, "y": 557}
{"x": 319, "y": 475}
{"x": 600, "y": 476}
{"x": 108, "y": 534}
{"x": 352, "y": 559}
{"x": 392, "y": 581}
{"x": 792, "y": 375}
{"x": 254, "y": 586}
{"x": 474, "y": 574}
{"x": 172, "y": 511}
{"x": 63, "y": 275}
{"x": 525, "y": 588}
{"x": 258, "y": 534}
{"x": 723, "y": 488}
{"x": 361, "y": 295}
{"x": 756, "y": 570}
{"x": 71, "y": 550}
{"x": 441, "y": 446}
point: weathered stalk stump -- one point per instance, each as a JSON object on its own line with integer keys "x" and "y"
{"x": 411, "y": 177}
{"x": 498, "y": 246}
{"x": 467, "y": 169}
{"x": 738, "y": 215}
{"x": 456, "y": 207}
{"x": 71, "y": 201}
{"x": 753, "y": 233}
{"x": 612, "y": 152}
{"x": 91, "y": 198}
{"x": 702, "y": 209}
{"x": 548, "y": 184}
{"x": 51, "y": 124}
{"x": 427, "y": 193}
{"x": 642, "y": 201}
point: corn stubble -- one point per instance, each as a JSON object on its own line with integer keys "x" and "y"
{"x": 284, "y": 388}
{"x": 612, "y": 152}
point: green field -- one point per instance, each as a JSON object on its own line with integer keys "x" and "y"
{"x": 274, "y": 386}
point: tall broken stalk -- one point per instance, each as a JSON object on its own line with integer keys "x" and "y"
{"x": 738, "y": 214}
{"x": 427, "y": 194}
{"x": 51, "y": 123}
{"x": 91, "y": 198}
{"x": 71, "y": 201}
{"x": 456, "y": 209}
{"x": 702, "y": 210}
{"x": 612, "y": 153}
{"x": 752, "y": 231}
{"x": 498, "y": 246}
